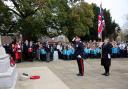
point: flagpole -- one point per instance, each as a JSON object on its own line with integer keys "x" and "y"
{"x": 101, "y": 42}
{"x": 101, "y": 31}
{"x": 101, "y": 36}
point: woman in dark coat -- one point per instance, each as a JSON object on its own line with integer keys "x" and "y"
{"x": 106, "y": 56}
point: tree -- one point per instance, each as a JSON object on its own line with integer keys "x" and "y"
{"x": 80, "y": 20}
{"x": 56, "y": 16}
{"x": 28, "y": 18}
{"x": 6, "y": 19}
{"x": 34, "y": 18}
{"x": 110, "y": 25}
{"x": 126, "y": 28}
{"x": 93, "y": 30}
{"x": 40, "y": 17}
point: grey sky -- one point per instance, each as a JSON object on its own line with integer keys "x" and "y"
{"x": 118, "y": 9}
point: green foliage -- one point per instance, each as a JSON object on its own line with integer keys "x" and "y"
{"x": 110, "y": 25}
{"x": 56, "y": 16}
{"x": 93, "y": 30}
{"x": 6, "y": 22}
{"x": 34, "y": 18}
{"x": 81, "y": 19}
{"x": 29, "y": 17}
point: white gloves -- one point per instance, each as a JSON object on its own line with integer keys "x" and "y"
{"x": 109, "y": 56}
{"x": 79, "y": 56}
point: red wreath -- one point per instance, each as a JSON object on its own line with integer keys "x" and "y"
{"x": 35, "y": 77}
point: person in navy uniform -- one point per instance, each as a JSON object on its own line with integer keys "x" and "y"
{"x": 78, "y": 55}
{"x": 106, "y": 56}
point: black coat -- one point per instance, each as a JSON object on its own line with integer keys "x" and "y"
{"x": 79, "y": 49}
{"x": 106, "y": 49}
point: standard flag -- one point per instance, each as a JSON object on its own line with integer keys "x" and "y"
{"x": 101, "y": 22}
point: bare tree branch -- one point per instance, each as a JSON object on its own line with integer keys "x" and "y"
{"x": 17, "y": 7}
{"x": 15, "y": 12}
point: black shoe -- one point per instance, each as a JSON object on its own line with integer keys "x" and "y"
{"x": 107, "y": 74}
{"x": 80, "y": 75}
{"x": 47, "y": 61}
{"x": 104, "y": 74}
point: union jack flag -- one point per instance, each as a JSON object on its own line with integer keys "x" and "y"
{"x": 101, "y": 22}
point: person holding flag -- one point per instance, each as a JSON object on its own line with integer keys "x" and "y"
{"x": 106, "y": 45}
{"x": 106, "y": 56}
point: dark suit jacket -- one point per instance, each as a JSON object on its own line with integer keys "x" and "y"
{"x": 79, "y": 48}
{"x": 106, "y": 49}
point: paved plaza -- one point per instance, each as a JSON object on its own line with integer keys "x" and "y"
{"x": 61, "y": 74}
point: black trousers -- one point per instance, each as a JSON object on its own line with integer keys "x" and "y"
{"x": 80, "y": 66}
{"x": 13, "y": 56}
{"x": 48, "y": 57}
{"x": 25, "y": 55}
{"x": 43, "y": 57}
{"x": 30, "y": 56}
{"x": 64, "y": 57}
{"x": 106, "y": 69}
{"x": 59, "y": 54}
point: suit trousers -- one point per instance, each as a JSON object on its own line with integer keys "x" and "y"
{"x": 80, "y": 66}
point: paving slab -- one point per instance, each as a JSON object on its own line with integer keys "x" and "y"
{"x": 48, "y": 80}
{"x": 66, "y": 71}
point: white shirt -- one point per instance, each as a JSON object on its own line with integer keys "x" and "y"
{"x": 122, "y": 46}
{"x": 59, "y": 47}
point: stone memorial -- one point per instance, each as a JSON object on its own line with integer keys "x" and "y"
{"x": 8, "y": 74}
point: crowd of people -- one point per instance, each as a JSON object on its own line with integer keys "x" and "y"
{"x": 29, "y": 50}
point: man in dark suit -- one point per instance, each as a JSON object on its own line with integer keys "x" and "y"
{"x": 106, "y": 56}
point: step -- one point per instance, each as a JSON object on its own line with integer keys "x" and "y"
{"x": 7, "y": 79}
